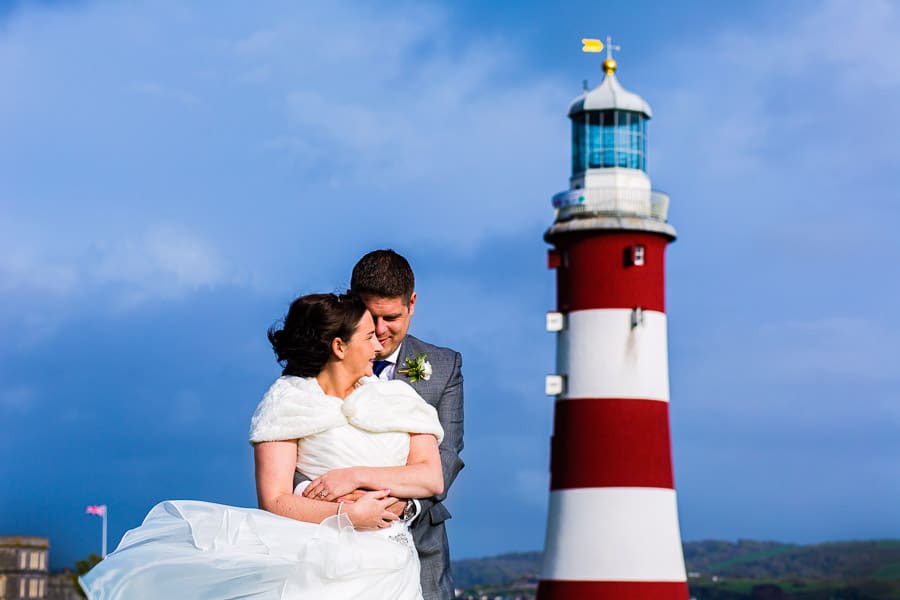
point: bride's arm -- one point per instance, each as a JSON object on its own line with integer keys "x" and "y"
{"x": 275, "y": 464}
{"x": 421, "y": 477}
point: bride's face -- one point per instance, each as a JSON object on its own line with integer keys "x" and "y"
{"x": 362, "y": 347}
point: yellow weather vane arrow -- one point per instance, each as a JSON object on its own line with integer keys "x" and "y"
{"x": 591, "y": 45}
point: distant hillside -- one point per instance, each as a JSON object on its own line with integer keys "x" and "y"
{"x": 879, "y": 559}
{"x": 502, "y": 570}
{"x": 744, "y": 559}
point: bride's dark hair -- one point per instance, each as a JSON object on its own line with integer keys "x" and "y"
{"x": 303, "y": 344}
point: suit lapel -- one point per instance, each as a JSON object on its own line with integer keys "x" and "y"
{"x": 406, "y": 351}
{"x": 410, "y": 349}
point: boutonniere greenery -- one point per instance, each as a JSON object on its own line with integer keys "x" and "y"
{"x": 417, "y": 368}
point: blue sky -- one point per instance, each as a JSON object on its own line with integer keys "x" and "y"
{"x": 172, "y": 175}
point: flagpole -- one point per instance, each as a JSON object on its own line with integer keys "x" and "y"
{"x": 99, "y": 510}
{"x": 103, "y": 547}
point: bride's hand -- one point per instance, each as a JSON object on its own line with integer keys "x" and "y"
{"x": 332, "y": 485}
{"x": 370, "y": 510}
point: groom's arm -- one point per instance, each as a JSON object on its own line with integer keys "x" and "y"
{"x": 450, "y": 414}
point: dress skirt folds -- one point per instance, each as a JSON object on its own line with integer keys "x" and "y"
{"x": 202, "y": 551}
{"x": 191, "y": 550}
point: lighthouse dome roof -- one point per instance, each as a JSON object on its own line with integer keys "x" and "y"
{"x": 610, "y": 95}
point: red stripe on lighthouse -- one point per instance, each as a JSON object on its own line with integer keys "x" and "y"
{"x": 632, "y": 590}
{"x": 595, "y": 272}
{"x": 610, "y": 442}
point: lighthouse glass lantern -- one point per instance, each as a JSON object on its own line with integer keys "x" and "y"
{"x": 612, "y": 527}
{"x": 609, "y": 138}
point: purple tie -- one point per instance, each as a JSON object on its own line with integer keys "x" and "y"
{"x": 378, "y": 366}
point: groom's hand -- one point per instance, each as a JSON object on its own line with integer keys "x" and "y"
{"x": 396, "y": 507}
{"x": 352, "y": 496}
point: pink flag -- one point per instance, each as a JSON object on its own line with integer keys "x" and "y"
{"x": 98, "y": 510}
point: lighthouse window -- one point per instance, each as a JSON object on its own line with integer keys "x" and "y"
{"x": 608, "y": 138}
{"x": 637, "y": 255}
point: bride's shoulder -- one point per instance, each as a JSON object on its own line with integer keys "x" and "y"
{"x": 294, "y": 407}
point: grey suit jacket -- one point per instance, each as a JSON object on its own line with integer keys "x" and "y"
{"x": 444, "y": 391}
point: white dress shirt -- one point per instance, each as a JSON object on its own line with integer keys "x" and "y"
{"x": 388, "y": 372}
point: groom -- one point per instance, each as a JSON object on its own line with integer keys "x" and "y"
{"x": 385, "y": 282}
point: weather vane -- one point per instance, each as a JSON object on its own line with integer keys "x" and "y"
{"x": 594, "y": 45}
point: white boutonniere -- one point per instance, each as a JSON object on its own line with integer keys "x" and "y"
{"x": 417, "y": 368}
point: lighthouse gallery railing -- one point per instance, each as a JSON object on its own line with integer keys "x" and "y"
{"x": 611, "y": 201}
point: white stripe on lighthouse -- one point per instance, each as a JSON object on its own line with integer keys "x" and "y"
{"x": 613, "y": 534}
{"x": 603, "y": 356}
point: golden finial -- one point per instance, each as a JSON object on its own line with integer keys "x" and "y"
{"x": 609, "y": 66}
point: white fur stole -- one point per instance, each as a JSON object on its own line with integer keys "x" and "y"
{"x": 296, "y": 407}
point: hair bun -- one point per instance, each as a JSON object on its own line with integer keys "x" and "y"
{"x": 303, "y": 343}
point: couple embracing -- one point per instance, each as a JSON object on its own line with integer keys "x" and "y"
{"x": 355, "y": 446}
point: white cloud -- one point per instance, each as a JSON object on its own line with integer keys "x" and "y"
{"x": 384, "y": 122}
{"x": 17, "y": 399}
{"x": 422, "y": 118}
{"x": 856, "y": 44}
{"x": 158, "y": 262}
{"x": 793, "y": 110}
{"x": 167, "y": 255}
{"x": 356, "y": 133}
{"x": 20, "y": 268}
{"x": 784, "y": 134}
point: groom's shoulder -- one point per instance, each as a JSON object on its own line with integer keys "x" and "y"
{"x": 418, "y": 345}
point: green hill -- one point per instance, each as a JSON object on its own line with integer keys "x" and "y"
{"x": 502, "y": 570}
{"x": 878, "y": 559}
{"x": 721, "y": 570}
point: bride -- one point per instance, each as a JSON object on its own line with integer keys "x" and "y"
{"x": 327, "y": 418}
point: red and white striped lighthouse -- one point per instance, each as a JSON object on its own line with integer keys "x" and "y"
{"x": 612, "y": 529}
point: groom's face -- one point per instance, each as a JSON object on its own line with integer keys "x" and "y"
{"x": 392, "y": 317}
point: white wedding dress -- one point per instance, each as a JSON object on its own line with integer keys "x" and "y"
{"x": 202, "y": 551}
